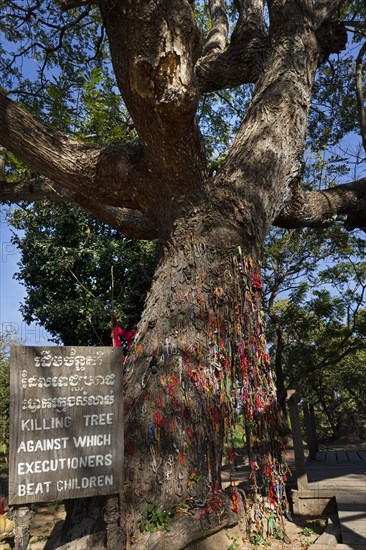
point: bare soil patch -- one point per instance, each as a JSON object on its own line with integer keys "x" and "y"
{"x": 298, "y": 534}
{"x": 46, "y": 521}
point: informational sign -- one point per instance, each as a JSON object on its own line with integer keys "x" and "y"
{"x": 66, "y": 423}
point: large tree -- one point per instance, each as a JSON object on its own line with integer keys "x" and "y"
{"x": 200, "y": 346}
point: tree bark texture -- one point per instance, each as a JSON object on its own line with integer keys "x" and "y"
{"x": 199, "y": 355}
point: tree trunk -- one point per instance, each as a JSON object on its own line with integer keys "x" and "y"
{"x": 321, "y": 397}
{"x": 84, "y": 526}
{"x": 199, "y": 356}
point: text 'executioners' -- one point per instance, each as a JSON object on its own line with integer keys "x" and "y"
{"x": 25, "y": 468}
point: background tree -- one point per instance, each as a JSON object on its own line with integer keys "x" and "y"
{"x": 6, "y": 341}
{"x": 78, "y": 273}
{"x": 295, "y": 270}
{"x": 202, "y": 328}
{"x": 323, "y": 342}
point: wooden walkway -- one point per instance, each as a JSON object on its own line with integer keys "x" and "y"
{"x": 344, "y": 472}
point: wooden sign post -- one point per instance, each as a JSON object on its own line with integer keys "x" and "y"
{"x": 66, "y": 423}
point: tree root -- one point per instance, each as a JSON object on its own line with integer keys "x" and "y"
{"x": 188, "y": 529}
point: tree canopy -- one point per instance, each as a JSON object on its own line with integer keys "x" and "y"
{"x": 316, "y": 304}
{"x": 79, "y": 273}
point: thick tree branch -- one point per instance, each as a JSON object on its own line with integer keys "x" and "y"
{"x": 321, "y": 208}
{"x": 355, "y": 24}
{"x": 66, "y": 5}
{"x": 243, "y": 61}
{"x": 34, "y": 189}
{"x": 115, "y": 175}
{"x": 153, "y": 47}
{"x": 131, "y": 223}
{"x": 360, "y": 95}
{"x": 265, "y": 157}
{"x": 128, "y": 222}
{"x": 41, "y": 147}
{"x": 324, "y": 9}
{"x": 216, "y": 40}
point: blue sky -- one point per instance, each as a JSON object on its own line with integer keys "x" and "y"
{"x": 12, "y": 293}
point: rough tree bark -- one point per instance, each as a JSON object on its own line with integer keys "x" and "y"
{"x": 200, "y": 347}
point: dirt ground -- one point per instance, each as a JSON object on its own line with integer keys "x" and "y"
{"x": 45, "y": 521}
{"x": 300, "y": 534}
